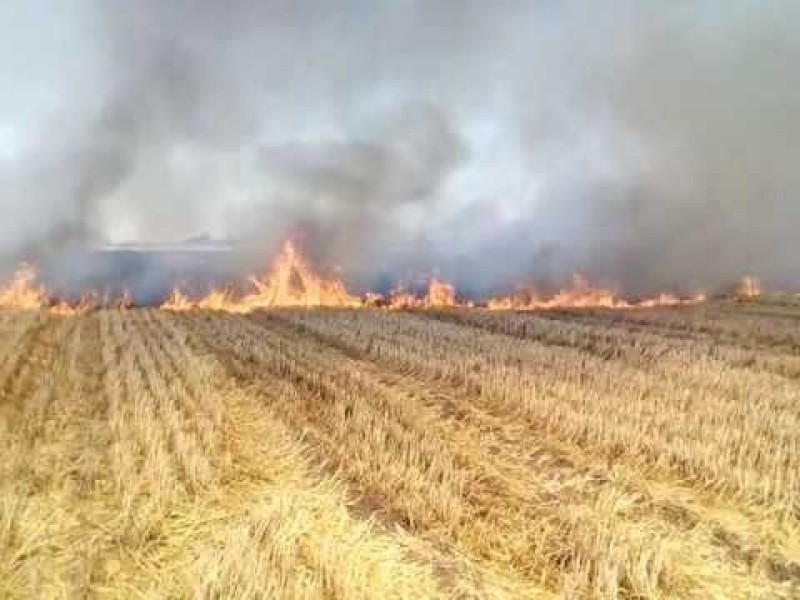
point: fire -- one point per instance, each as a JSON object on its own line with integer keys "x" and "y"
{"x": 22, "y": 292}
{"x": 65, "y": 309}
{"x": 374, "y": 299}
{"x": 178, "y": 302}
{"x": 401, "y": 298}
{"x": 222, "y": 300}
{"x": 291, "y": 282}
{"x": 749, "y": 287}
{"x": 440, "y": 295}
{"x": 583, "y": 294}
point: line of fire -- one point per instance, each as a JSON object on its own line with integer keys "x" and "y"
{"x": 292, "y": 281}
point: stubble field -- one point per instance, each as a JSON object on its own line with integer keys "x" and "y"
{"x": 379, "y": 454}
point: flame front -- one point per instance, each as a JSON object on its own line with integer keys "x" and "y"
{"x": 65, "y": 309}
{"x": 178, "y": 302}
{"x": 440, "y": 295}
{"x": 23, "y": 292}
{"x": 290, "y": 283}
{"x": 583, "y": 294}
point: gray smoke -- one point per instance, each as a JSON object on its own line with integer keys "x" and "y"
{"x": 649, "y": 145}
{"x": 676, "y": 128}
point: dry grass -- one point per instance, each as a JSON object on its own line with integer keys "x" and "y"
{"x": 366, "y": 454}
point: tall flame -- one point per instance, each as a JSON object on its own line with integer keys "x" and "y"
{"x": 291, "y": 282}
{"x": 441, "y": 293}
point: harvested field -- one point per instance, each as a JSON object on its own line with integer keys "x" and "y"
{"x": 379, "y": 454}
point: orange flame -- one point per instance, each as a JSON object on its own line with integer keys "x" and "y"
{"x": 440, "y": 295}
{"x": 401, "y": 298}
{"x": 290, "y": 282}
{"x": 178, "y": 302}
{"x": 583, "y": 294}
{"x": 22, "y": 292}
{"x": 65, "y": 309}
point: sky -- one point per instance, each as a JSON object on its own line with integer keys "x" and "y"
{"x": 648, "y": 144}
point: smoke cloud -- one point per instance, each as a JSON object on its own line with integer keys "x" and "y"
{"x": 652, "y": 146}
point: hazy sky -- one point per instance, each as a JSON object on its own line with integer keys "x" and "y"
{"x": 647, "y": 143}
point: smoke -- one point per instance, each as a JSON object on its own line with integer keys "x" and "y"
{"x": 682, "y": 119}
{"x": 647, "y": 145}
{"x": 347, "y": 196}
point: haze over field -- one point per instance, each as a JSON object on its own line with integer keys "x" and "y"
{"x": 399, "y": 299}
{"x": 648, "y": 145}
